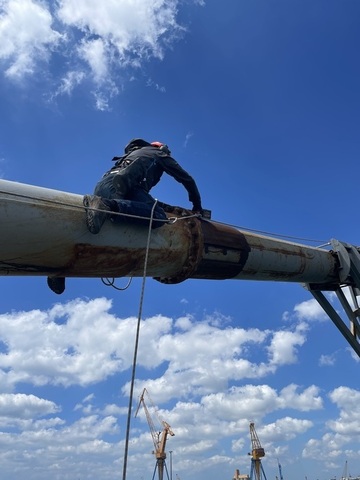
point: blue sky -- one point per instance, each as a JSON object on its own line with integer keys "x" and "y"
{"x": 260, "y": 102}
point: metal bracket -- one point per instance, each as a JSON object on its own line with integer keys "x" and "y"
{"x": 349, "y": 276}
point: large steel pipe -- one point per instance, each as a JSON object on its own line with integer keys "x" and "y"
{"x": 43, "y": 232}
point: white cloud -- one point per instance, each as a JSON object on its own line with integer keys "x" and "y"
{"x": 76, "y": 343}
{"x": 309, "y": 399}
{"x": 59, "y": 449}
{"x": 285, "y": 428}
{"x": 151, "y": 83}
{"x": 94, "y": 52}
{"x": 348, "y": 401}
{"x": 343, "y": 431}
{"x": 101, "y": 42}
{"x": 26, "y": 36}
{"x": 187, "y": 138}
{"x": 327, "y": 360}
{"x": 259, "y": 399}
{"x": 81, "y": 343}
{"x": 132, "y": 27}
{"x": 310, "y": 310}
{"x": 282, "y": 349}
{"x": 68, "y": 83}
{"x": 21, "y": 406}
{"x": 200, "y": 363}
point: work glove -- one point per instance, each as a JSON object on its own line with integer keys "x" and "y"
{"x": 197, "y": 210}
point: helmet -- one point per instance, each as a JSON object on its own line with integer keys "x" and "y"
{"x": 162, "y": 146}
{"x": 136, "y": 143}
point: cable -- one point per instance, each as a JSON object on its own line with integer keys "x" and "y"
{"x": 276, "y": 235}
{"x": 111, "y": 283}
{"x": 137, "y": 344}
{"x": 170, "y": 220}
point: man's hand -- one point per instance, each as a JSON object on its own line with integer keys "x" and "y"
{"x": 197, "y": 210}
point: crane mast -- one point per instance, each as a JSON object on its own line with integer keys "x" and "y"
{"x": 257, "y": 453}
{"x": 159, "y": 438}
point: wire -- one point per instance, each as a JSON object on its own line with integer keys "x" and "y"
{"x": 170, "y": 220}
{"x": 82, "y": 207}
{"x": 137, "y": 344}
{"x": 272, "y": 234}
{"x": 111, "y": 283}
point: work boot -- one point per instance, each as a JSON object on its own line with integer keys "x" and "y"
{"x": 94, "y": 217}
{"x": 56, "y": 284}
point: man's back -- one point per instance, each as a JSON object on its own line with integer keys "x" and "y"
{"x": 155, "y": 162}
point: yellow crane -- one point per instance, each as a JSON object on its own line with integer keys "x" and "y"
{"x": 159, "y": 438}
{"x": 257, "y": 452}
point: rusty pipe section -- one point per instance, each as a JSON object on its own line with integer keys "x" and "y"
{"x": 238, "y": 254}
{"x": 43, "y": 232}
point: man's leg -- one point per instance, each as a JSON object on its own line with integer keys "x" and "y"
{"x": 99, "y": 205}
{"x": 139, "y": 209}
{"x": 98, "y": 209}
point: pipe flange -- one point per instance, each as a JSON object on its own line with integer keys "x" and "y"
{"x": 196, "y": 244}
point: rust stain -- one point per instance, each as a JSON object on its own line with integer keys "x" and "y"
{"x": 226, "y": 251}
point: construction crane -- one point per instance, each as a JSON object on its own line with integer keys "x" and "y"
{"x": 44, "y": 233}
{"x": 159, "y": 438}
{"x": 257, "y": 453}
{"x": 280, "y": 470}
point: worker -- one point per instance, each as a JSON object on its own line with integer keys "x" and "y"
{"x": 125, "y": 187}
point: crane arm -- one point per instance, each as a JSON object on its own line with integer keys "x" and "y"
{"x": 44, "y": 233}
{"x": 154, "y": 433}
{"x": 256, "y": 449}
{"x": 159, "y": 438}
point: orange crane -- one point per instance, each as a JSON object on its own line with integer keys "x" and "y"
{"x": 257, "y": 452}
{"x": 159, "y": 438}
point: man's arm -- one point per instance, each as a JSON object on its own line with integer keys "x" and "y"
{"x": 172, "y": 168}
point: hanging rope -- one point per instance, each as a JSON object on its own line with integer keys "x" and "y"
{"x": 136, "y": 345}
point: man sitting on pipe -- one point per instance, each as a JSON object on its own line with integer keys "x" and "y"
{"x": 125, "y": 187}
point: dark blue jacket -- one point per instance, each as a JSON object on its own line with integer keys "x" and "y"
{"x": 152, "y": 163}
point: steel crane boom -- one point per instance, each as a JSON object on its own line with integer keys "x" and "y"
{"x": 44, "y": 233}
{"x": 159, "y": 438}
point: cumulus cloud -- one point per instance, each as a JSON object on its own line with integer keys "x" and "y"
{"x": 48, "y": 448}
{"x": 309, "y": 399}
{"x": 310, "y": 310}
{"x": 65, "y": 345}
{"x": 347, "y": 400}
{"x": 342, "y": 431}
{"x": 102, "y": 43}
{"x": 285, "y": 428}
{"x": 283, "y": 347}
{"x": 82, "y": 343}
{"x": 25, "y": 406}
{"x": 200, "y": 372}
{"x": 26, "y": 36}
